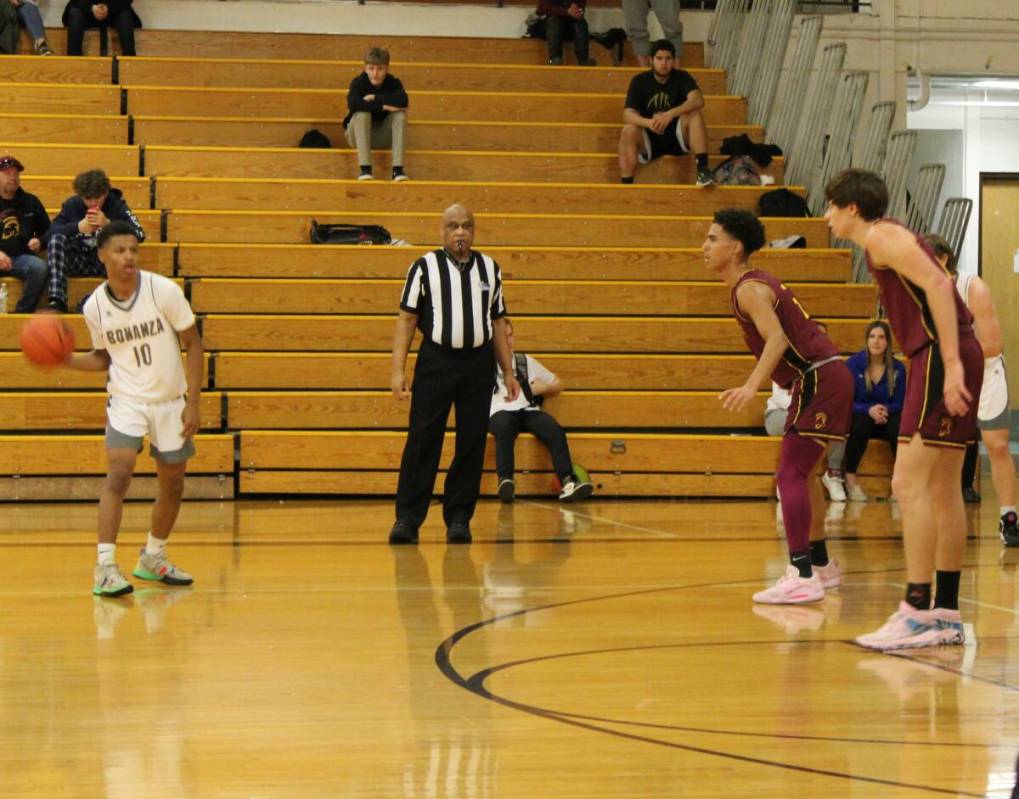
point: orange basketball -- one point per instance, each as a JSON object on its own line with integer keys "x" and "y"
{"x": 47, "y": 340}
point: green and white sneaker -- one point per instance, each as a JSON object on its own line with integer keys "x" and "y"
{"x": 109, "y": 581}
{"x": 159, "y": 569}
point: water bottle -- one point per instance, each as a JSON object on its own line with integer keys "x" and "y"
{"x": 3, "y": 298}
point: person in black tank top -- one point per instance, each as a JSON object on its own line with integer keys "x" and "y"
{"x": 793, "y": 351}
{"x": 938, "y": 415}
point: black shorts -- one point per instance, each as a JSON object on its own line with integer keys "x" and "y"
{"x": 668, "y": 143}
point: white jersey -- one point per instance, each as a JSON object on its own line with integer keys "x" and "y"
{"x": 994, "y": 390}
{"x": 140, "y": 336}
{"x": 535, "y": 371}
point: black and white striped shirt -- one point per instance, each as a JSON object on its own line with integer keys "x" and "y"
{"x": 455, "y": 304}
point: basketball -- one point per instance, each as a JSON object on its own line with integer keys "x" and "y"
{"x": 47, "y": 340}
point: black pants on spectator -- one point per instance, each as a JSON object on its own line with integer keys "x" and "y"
{"x": 559, "y": 28}
{"x": 863, "y": 430}
{"x": 507, "y": 425}
{"x": 969, "y": 464}
{"x": 444, "y": 379}
{"x": 78, "y": 21}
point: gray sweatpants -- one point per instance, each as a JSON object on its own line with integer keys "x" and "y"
{"x": 363, "y": 133}
{"x": 635, "y": 19}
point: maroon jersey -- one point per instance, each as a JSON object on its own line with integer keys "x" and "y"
{"x": 807, "y": 342}
{"x": 906, "y": 304}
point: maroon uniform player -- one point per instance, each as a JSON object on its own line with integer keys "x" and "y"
{"x": 935, "y": 331}
{"x": 794, "y": 352}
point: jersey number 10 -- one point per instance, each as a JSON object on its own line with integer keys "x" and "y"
{"x": 143, "y": 355}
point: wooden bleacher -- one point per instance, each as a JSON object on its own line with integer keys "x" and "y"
{"x": 285, "y": 46}
{"x": 606, "y": 282}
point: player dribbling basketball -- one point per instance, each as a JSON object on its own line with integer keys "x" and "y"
{"x": 138, "y": 321}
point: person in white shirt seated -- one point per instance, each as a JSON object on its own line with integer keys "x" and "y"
{"x": 524, "y": 414}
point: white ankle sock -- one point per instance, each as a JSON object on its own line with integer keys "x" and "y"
{"x": 155, "y": 546}
{"x": 107, "y": 553}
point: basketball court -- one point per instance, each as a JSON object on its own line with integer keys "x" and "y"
{"x": 603, "y": 650}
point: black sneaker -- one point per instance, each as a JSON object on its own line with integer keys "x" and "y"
{"x": 458, "y": 533}
{"x": 366, "y": 173}
{"x": 1009, "y": 529}
{"x": 507, "y": 490}
{"x": 556, "y": 62}
{"x": 705, "y": 178}
{"x": 970, "y": 494}
{"x": 56, "y": 304}
{"x": 403, "y": 533}
{"x": 399, "y": 175}
{"x": 574, "y": 491}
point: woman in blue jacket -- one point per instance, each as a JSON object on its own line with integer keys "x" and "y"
{"x": 877, "y": 404}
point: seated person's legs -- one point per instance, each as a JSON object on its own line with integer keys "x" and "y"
{"x": 505, "y": 426}
{"x": 554, "y": 38}
{"x": 631, "y": 141}
{"x": 123, "y": 21}
{"x": 77, "y": 21}
{"x": 28, "y": 13}
{"x": 359, "y": 136}
{"x": 396, "y": 122}
{"x": 581, "y": 42}
{"x": 862, "y": 431}
{"x": 549, "y": 432}
{"x": 32, "y": 270}
{"x": 68, "y": 258}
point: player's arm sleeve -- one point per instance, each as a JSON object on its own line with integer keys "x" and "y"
{"x": 174, "y": 305}
{"x": 537, "y": 371}
{"x": 91, "y": 314}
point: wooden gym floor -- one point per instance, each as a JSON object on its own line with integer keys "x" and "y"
{"x": 604, "y": 650}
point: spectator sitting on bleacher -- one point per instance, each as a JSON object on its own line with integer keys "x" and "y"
{"x": 31, "y": 19}
{"x": 880, "y": 389}
{"x": 23, "y": 224}
{"x": 564, "y": 19}
{"x": 524, "y": 414}
{"x": 71, "y": 241}
{"x": 377, "y": 115}
{"x": 82, "y": 14}
{"x": 663, "y": 116}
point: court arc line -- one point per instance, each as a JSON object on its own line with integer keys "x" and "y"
{"x": 475, "y": 685}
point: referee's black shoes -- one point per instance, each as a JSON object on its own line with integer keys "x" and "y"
{"x": 458, "y": 533}
{"x": 403, "y": 533}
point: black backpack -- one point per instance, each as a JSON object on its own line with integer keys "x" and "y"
{"x": 316, "y": 139}
{"x": 782, "y": 202}
{"x": 349, "y": 234}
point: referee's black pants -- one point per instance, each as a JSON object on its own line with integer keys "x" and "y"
{"x": 464, "y": 380}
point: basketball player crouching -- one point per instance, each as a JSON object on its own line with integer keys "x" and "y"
{"x": 794, "y": 352}
{"x": 138, "y": 322}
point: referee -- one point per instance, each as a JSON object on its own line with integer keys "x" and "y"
{"x": 454, "y": 295}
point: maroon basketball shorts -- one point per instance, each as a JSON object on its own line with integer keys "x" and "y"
{"x": 822, "y": 403}
{"x": 924, "y": 409}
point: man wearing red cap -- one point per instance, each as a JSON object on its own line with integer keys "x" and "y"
{"x": 23, "y": 224}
